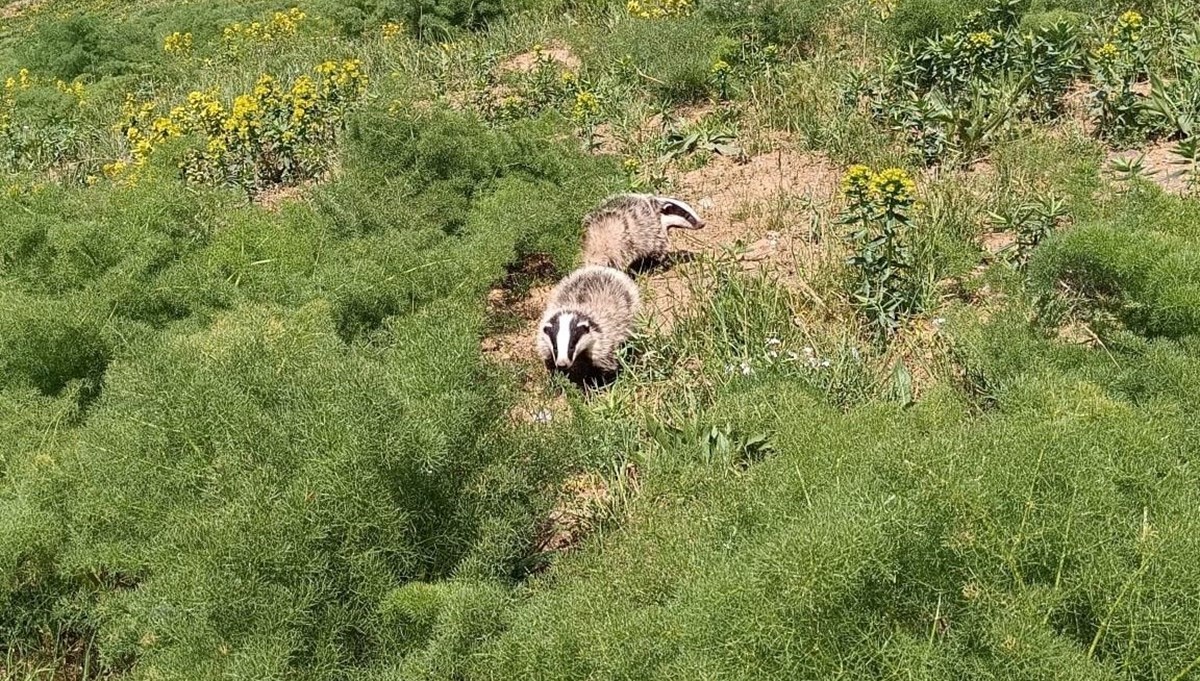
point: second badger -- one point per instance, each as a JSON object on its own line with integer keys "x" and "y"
{"x": 626, "y": 228}
{"x": 589, "y": 316}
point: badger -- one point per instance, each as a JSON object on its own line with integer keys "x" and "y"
{"x": 626, "y": 228}
{"x": 589, "y": 316}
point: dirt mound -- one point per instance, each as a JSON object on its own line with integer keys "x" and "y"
{"x": 17, "y": 7}
{"x": 765, "y": 212}
{"x": 527, "y": 61}
{"x": 995, "y": 243}
{"x": 515, "y": 344}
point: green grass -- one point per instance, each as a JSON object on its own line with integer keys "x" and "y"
{"x": 241, "y": 441}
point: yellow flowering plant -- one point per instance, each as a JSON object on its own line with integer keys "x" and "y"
{"x": 516, "y": 93}
{"x": 392, "y": 30}
{"x": 878, "y": 211}
{"x": 658, "y": 9}
{"x": 1118, "y": 63}
{"x": 178, "y": 43}
{"x": 273, "y": 134}
{"x": 239, "y": 37}
{"x": 44, "y": 124}
{"x": 719, "y": 74}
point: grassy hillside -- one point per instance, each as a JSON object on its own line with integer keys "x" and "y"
{"x": 919, "y": 402}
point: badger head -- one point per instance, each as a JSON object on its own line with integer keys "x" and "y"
{"x": 569, "y": 335}
{"x": 676, "y": 213}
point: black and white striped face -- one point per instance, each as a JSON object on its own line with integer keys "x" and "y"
{"x": 676, "y": 213}
{"x": 570, "y": 334}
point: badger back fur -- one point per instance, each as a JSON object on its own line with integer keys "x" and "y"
{"x": 626, "y": 228}
{"x": 589, "y": 316}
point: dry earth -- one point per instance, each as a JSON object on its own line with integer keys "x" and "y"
{"x": 763, "y": 213}
{"x": 17, "y": 7}
{"x": 1160, "y": 165}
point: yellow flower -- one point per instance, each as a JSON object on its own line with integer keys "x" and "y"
{"x": 74, "y": 89}
{"x": 245, "y": 118}
{"x": 177, "y": 43}
{"x": 392, "y": 30}
{"x": 141, "y": 150}
{"x": 894, "y": 186}
{"x": 631, "y": 165}
{"x": 720, "y": 67}
{"x": 586, "y": 105}
{"x": 1131, "y": 19}
{"x": 982, "y": 39}
{"x": 115, "y": 168}
{"x": 656, "y": 9}
{"x": 165, "y": 127}
{"x": 856, "y": 181}
{"x": 1106, "y": 52}
{"x": 1129, "y": 27}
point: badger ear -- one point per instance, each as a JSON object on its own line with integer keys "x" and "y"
{"x": 676, "y": 213}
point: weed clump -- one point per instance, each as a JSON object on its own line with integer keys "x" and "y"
{"x": 879, "y": 213}
{"x": 955, "y": 94}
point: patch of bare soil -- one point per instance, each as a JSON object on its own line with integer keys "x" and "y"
{"x": 17, "y": 7}
{"x": 763, "y": 212}
{"x": 583, "y": 501}
{"x": 997, "y": 242}
{"x": 1077, "y": 333}
{"x": 516, "y": 345}
{"x": 1077, "y": 106}
{"x": 1159, "y": 164}
{"x": 274, "y": 198}
{"x": 527, "y": 61}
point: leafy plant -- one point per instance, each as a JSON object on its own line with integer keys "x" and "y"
{"x": 1117, "y": 65}
{"x": 713, "y": 135}
{"x": 719, "y": 445}
{"x": 1187, "y": 156}
{"x": 273, "y": 135}
{"x": 955, "y": 93}
{"x": 547, "y": 83}
{"x": 1128, "y": 168}
{"x": 877, "y": 211}
{"x": 1031, "y": 222}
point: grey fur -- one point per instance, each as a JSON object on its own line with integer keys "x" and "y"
{"x": 608, "y": 299}
{"x": 626, "y": 228}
